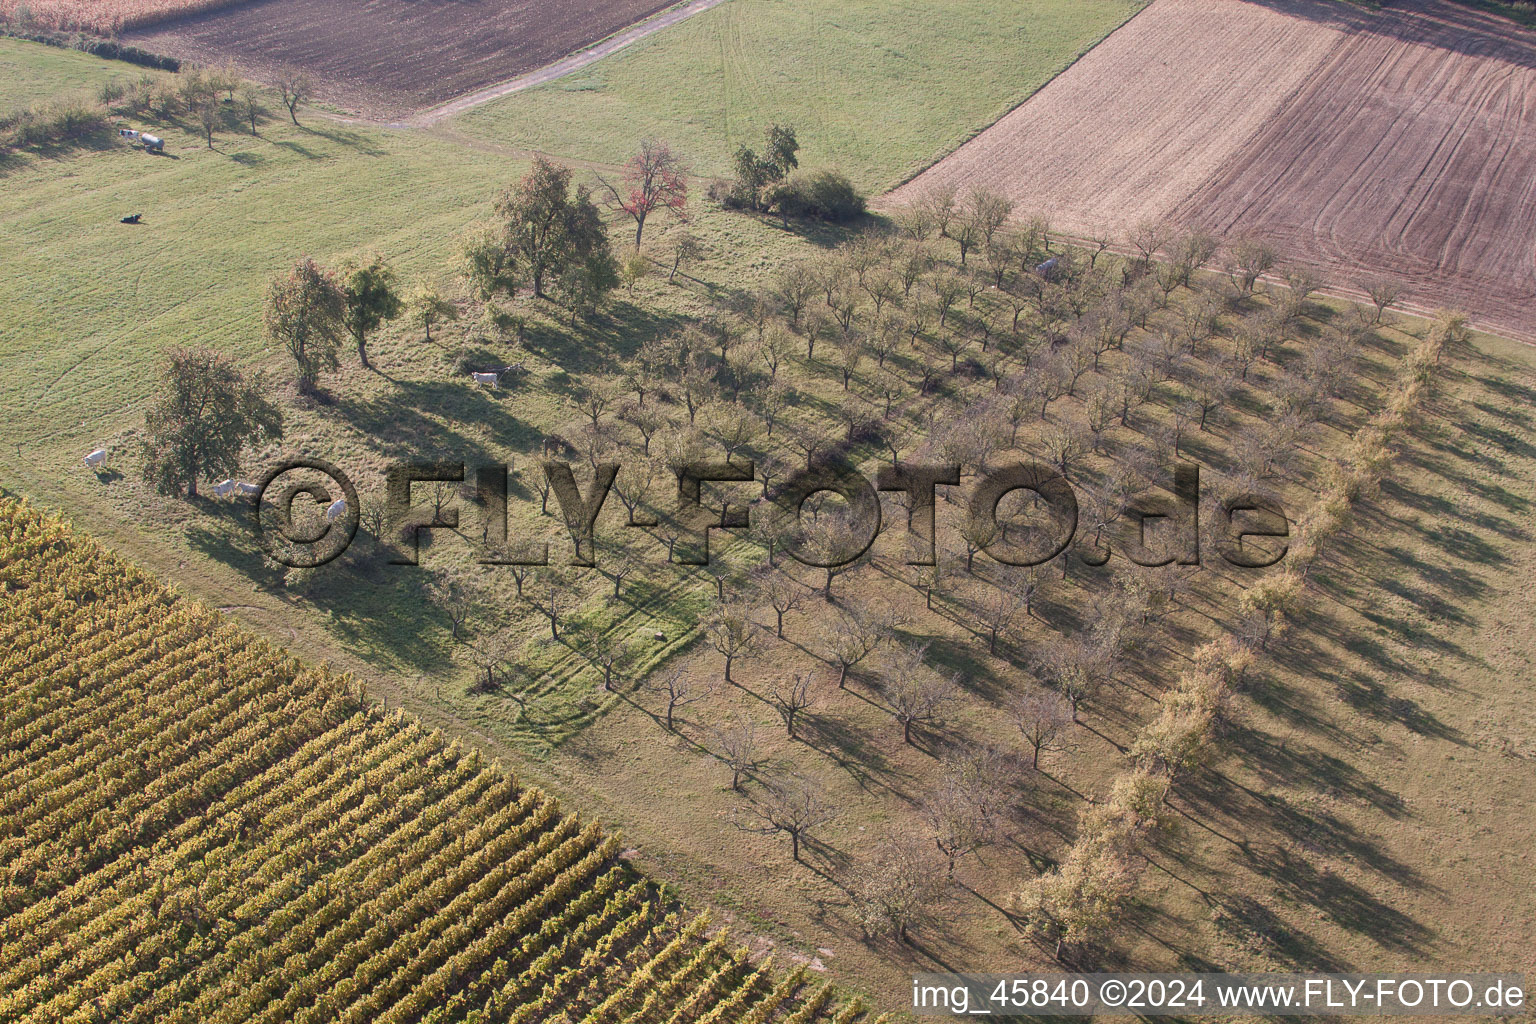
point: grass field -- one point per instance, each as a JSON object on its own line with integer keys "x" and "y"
{"x": 1381, "y": 767}
{"x": 100, "y": 301}
{"x": 879, "y": 88}
{"x": 34, "y": 73}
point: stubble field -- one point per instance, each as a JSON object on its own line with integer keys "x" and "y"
{"x": 106, "y": 16}
{"x": 1363, "y": 143}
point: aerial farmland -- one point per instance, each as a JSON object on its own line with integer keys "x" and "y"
{"x": 763, "y": 510}
{"x": 390, "y": 58}
{"x": 1389, "y": 143}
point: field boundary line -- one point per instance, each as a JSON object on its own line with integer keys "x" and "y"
{"x": 940, "y": 158}
{"x": 560, "y": 68}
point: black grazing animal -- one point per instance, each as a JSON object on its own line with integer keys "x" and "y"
{"x": 132, "y": 220}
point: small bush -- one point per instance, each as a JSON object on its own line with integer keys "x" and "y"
{"x": 823, "y": 195}
{"x": 52, "y": 123}
{"x": 111, "y": 92}
{"x": 722, "y": 191}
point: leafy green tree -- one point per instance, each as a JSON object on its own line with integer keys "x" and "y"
{"x": 304, "y": 313}
{"x": 205, "y": 415}
{"x": 755, "y": 174}
{"x": 752, "y": 175}
{"x": 369, "y": 292}
{"x": 486, "y": 262}
{"x": 428, "y": 307}
{"x": 635, "y": 268}
{"x": 782, "y": 149}
{"x": 824, "y": 194}
{"x": 555, "y": 237}
{"x": 584, "y": 285}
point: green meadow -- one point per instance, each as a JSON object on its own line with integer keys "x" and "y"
{"x": 878, "y": 88}
{"x": 96, "y": 303}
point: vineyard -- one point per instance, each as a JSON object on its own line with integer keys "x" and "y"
{"x": 196, "y": 827}
{"x": 104, "y": 17}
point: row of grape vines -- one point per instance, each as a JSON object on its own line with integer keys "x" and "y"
{"x": 196, "y": 827}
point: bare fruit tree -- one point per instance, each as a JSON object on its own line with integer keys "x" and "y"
{"x": 294, "y": 87}
{"x": 739, "y": 748}
{"x": 1384, "y": 295}
{"x": 783, "y": 593}
{"x": 456, "y": 596}
{"x": 917, "y": 694}
{"x": 896, "y": 889}
{"x": 679, "y": 690}
{"x": 612, "y": 656}
{"x": 794, "y": 806}
{"x": 1042, "y": 717}
{"x": 852, "y": 638}
{"x": 732, "y": 632}
{"x": 792, "y": 697}
{"x": 959, "y": 817}
{"x": 494, "y": 657}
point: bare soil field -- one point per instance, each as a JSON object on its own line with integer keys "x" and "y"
{"x": 1136, "y": 125}
{"x": 1383, "y": 143}
{"x": 386, "y": 58}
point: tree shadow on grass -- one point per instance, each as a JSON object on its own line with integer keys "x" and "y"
{"x": 414, "y": 419}
{"x": 855, "y": 752}
{"x": 1299, "y": 764}
{"x": 302, "y": 151}
{"x": 386, "y": 615}
{"x": 89, "y": 142}
{"x": 965, "y": 659}
{"x": 1347, "y": 904}
{"x": 218, "y": 542}
{"x": 1323, "y": 637}
{"x": 345, "y": 137}
{"x": 1252, "y": 925}
{"x": 1313, "y": 829}
{"x": 369, "y": 615}
{"x": 598, "y": 345}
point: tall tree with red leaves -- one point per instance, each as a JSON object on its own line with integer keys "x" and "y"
{"x": 654, "y": 179}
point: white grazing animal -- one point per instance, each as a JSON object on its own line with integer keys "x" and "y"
{"x": 97, "y": 458}
{"x": 247, "y": 490}
{"x": 487, "y": 378}
{"x": 224, "y": 488}
{"x": 337, "y": 510}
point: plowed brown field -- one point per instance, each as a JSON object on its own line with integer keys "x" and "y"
{"x": 1399, "y": 142}
{"x": 385, "y": 58}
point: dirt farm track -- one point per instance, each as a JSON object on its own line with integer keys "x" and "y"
{"x": 1398, "y": 142}
{"x": 387, "y": 58}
